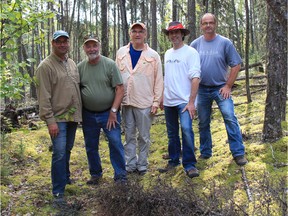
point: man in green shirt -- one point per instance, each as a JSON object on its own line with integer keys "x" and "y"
{"x": 102, "y": 92}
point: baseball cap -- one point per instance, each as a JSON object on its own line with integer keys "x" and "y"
{"x": 139, "y": 24}
{"x": 60, "y": 33}
{"x": 91, "y": 38}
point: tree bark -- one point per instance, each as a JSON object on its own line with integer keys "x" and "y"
{"x": 249, "y": 99}
{"x": 275, "y": 109}
{"x": 124, "y": 23}
{"x": 104, "y": 33}
{"x": 153, "y": 25}
{"x": 191, "y": 12}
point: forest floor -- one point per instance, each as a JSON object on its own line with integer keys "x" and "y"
{"x": 223, "y": 188}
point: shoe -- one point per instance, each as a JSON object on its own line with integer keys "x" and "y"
{"x": 121, "y": 181}
{"x": 94, "y": 180}
{"x": 204, "y": 157}
{"x": 70, "y": 181}
{"x": 142, "y": 172}
{"x": 240, "y": 160}
{"x": 129, "y": 172}
{"x": 166, "y": 156}
{"x": 59, "y": 201}
{"x": 166, "y": 169}
{"x": 191, "y": 173}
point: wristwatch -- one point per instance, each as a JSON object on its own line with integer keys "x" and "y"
{"x": 114, "y": 110}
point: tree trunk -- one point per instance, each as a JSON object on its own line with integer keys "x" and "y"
{"x": 249, "y": 99}
{"x": 174, "y": 10}
{"x": 191, "y": 12}
{"x": 153, "y": 25}
{"x": 104, "y": 33}
{"x": 239, "y": 47}
{"x": 275, "y": 109}
{"x": 125, "y": 27}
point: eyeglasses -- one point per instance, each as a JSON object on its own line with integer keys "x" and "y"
{"x": 59, "y": 42}
{"x": 208, "y": 23}
{"x": 137, "y": 32}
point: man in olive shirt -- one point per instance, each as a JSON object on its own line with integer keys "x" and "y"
{"x": 102, "y": 92}
{"x": 60, "y": 107}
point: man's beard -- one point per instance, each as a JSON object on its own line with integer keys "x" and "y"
{"x": 93, "y": 56}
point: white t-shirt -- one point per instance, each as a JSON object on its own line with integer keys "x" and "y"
{"x": 180, "y": 66}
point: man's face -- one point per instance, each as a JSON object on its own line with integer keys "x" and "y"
{"x": 175, "y": 36}
{"x": 61, "y": 46}
{"x": 138, "y": 35}
{"x": 92, "y": 49}
{"x": 208, "y": 24}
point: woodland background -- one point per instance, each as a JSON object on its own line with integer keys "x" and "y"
{"x": 257, "y": 28}
{"x": 259, "y": 31}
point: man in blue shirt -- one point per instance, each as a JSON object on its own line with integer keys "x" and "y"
{"x": 217, "y": 54}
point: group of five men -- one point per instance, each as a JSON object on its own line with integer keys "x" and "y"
{"x": 93, "y": 91}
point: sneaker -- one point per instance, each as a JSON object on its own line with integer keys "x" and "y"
{"x": 191, "y": 173}
{"x": 94, "y": 180}
{"x": 59, "y": 201}
{"x": 167, "y": 168}
{"x": 142, "y": 172}
{"x": 240, "y": 160}
{"x": 204, "y": 157}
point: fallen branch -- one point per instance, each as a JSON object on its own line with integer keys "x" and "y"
{"x": 252, "y": 65}
{"x": 246, "y": 184}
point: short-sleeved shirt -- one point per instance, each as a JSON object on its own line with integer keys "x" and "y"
{"x": 181, "y": 66}
{"x": 98, "y": 82}
{"x": 216, "y": 55}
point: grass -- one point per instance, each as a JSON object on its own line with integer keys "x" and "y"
{"x": 219, "y": 190}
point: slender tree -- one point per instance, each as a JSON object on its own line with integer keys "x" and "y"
{"x": 104, "y": 32}
{"x": 153, "y": 25}
{"x": 249, "y": 99}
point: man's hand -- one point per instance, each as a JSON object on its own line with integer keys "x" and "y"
{"x": 190, "y": 107}
{"x": 154, "y": 110}
{"x": 112, "y": 121}
{"x": 53, "y": 130}
{"x": 225, "y": 91}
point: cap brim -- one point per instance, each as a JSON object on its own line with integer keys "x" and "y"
{"x": 91, "y": 39}
{"x": 60, "y": 36}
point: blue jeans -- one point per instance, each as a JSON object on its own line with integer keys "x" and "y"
{"x": 62, "y": 146}
{"x": 206, "y": 96}
{"x": 92, "y": 124}
{"x": 172, "y": 114}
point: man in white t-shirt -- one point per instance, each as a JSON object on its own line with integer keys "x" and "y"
{"x": 181, "y": 81}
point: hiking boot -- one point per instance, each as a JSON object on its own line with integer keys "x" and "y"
{"x": 204, "y": 157}
{"x": 193, "y": 172}
{"x": 167, "y": 168}
{"x": 240, "y": 160}
{"x": 59, "y": 201}
{"x": 94, "y": 180}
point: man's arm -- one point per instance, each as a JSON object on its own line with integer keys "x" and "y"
{"x": 119, "y": 94}
{"x": 191, "y": 104}
{"x": 226, "y": 90}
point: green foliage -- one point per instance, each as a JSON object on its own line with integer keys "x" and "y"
{"x": 68, "y": 116}
{"x": 18, "y": 20}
